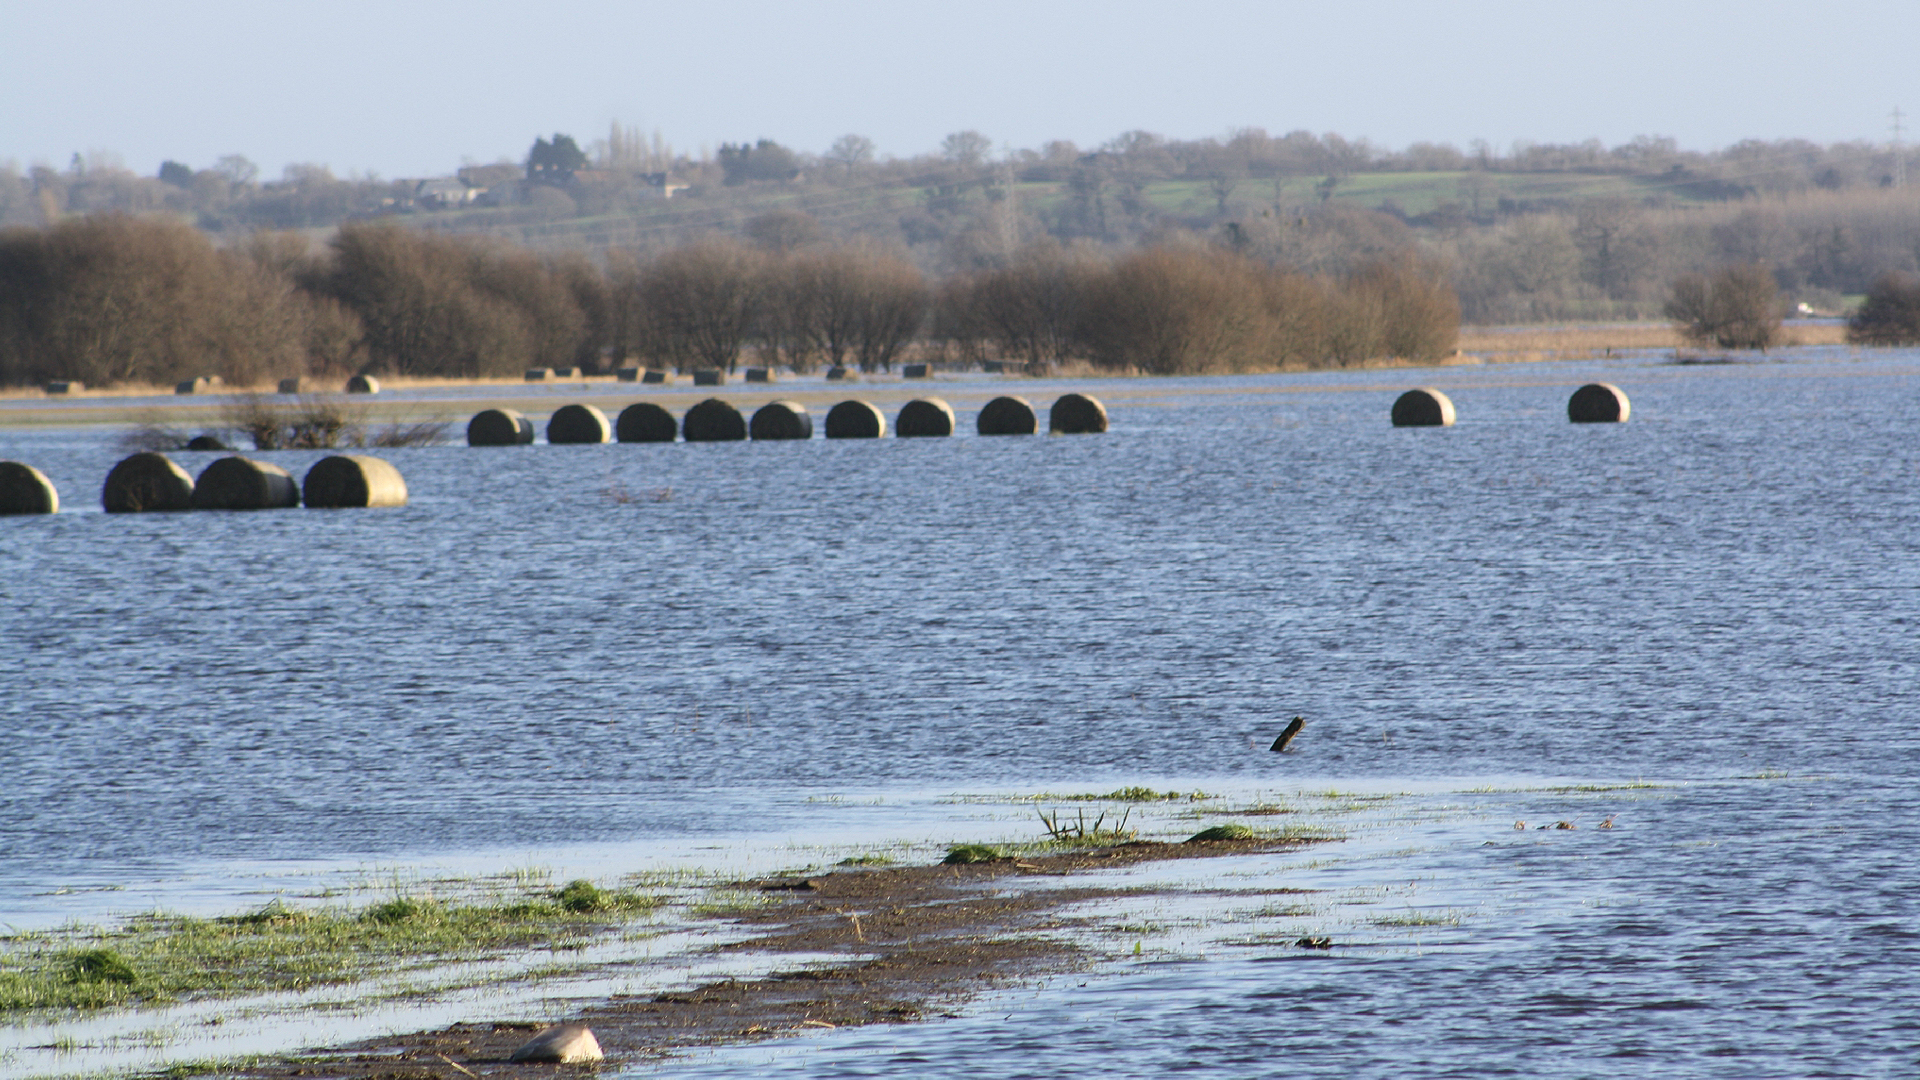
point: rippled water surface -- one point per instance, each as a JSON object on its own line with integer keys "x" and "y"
{"x": 592, "y": 648}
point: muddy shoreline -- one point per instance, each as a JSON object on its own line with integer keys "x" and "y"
{"x": 917, "y": 942}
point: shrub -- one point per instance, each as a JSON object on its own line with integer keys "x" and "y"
{"x": 1737, "y": 308}
{"x": 100, "y": 965}
{"x": 1890, "y": 315}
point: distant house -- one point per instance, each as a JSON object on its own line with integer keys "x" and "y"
{"x": 444, "y": 192}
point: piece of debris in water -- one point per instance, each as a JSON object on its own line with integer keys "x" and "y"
{"x": 1293, "y": 728}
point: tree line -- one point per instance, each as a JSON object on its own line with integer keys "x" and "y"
{"x": 118, "y": 299}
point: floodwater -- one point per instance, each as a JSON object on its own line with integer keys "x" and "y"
{"x": 605, "y": 657}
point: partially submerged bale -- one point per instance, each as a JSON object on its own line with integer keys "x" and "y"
{"x": 538, "y": 374}
{"x": 1008, "y": 415}
{"x": 1598, "y": 403}
{"x": 656, "y": 376}
{"x": 363, "y": 384}
{"x": 627, "y": 374}
{"x": 924, "y": 418}
{"x": 781, "y": 420}
{"x": 760, "y": 374}
{"x": 65, "y": 386}
{"x": 26, "y": 490}
{"x": 1077, "y": 414}
{"x": 710, "y": 377}
{"x": 146, "y": 482}
{"x": 643, "y": 421}
{"x": 353, "y": 480}
{"x": 855, "y": 419}
{"x": 1422, "y": 407}
{"x": 199, "y": 385}
{"x": 237, "y": 483}
{"x": 915, "y": 371}
{"x": 295, "y": 385}
{"x": 578, "y": 424}
{"x": 713, "y": 420}
{"x": 206, "y": 442}
{"x": 840, "y": 374}
{"x": 499, "y": 427}
{"x": 563, "y": 1044}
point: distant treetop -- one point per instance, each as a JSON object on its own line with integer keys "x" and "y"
{"x": 554, "y": 162}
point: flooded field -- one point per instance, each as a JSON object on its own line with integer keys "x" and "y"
{"x": 615, "y": 660}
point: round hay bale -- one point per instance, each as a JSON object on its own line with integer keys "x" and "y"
{"x": 713, "y": 420}
{"x": 657, "y": 376}
{"x": 643, "y": 421}
{"x": 924, "y": 418}
{"x": 237, "y": 483}
{"x": 295, "y": 385}
{"x": 781, "y": 420}
{"x": 499, "y": 427}
{"x": 363, "y": 384}
{"x": 352, "y": 480}
{"x": 206, "y": 442}
{"x": 146, "y": 482}
{"x": 1007, "y": 415}
{"x": 1077, "y": 414}
{"x": 1598, "y": 403}
{"x": 915, "y": 371}
{"x": 198, "y": 385}
{"x": 627, "y": 374}
{"x": 538, "y": 374}
{"x": 66, "y": 386}
{"x": 760, "y": 374}
{"x": 710, "y": 377}
{"x": 840, "y": 374}
{"x": 578, "y": 424}
{"x": 26, "y": 490}
{"x": 1424, "y": 407}
{"x": 855, "y": 420}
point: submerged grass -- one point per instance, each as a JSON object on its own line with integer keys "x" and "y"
{"x": 158, "y": 958}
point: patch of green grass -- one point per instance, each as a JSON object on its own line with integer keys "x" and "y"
{"x": 869, "y": 859}
{"x": 1231, "y": 831}
{"x": 158, "y": 958}
{"x": 1419, "y": 918}
{"x": 973, "y": 853}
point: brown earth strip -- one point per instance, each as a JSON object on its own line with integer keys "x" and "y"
{"x": 918, "y": 941}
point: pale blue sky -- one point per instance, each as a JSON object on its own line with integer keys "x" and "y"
{"x": 406, "y": 90}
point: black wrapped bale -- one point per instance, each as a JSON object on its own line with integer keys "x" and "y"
{"x": 578, "y": 424}
{"x": 840, "y": 374}
{"x": 759, "y": 374}
{"x": 855, "y": 420}
{"x": 643, "y": 421}
{"x": 1008, "y": 415}
{"x": 566, "y": 373}
{"x": 656, "y": 376}
{"x": 709, "y": 377}
{"x": 147, "y": 482}
{"x": 205, "y": 442}
{"x": 352, "y": 480}
{"x": 1598, "y": 403}
{"x": 538, "y": 374}
{"x": 924, "y": 418}
{"x": 499, "y": 427}
{"x": 363, "y": 384}
{"x": 713, "y": 420}
{"x": 66, "y": 386}
{"x": 200, "y": 385}
{"x": 778, "y": 420}
{"x": 627, "y": 374}
{"x": 26, "y": 490}
{"x": 1077, "y": 414}
{"x": 237, "y": 483}
{"x": 1423, "y": 407}
{"x": 295, "y": 385}
{"x": 915, "y": 371}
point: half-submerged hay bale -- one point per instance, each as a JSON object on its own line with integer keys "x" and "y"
{"x": 65, "y": 386}
{"x": 499, "y": 427}
{"x": 710, "y": 377}
{"x": 1598, "y": 403}
{"x": 363, "y": 384}
{"x": 713, "y": 420}
{"x": 237, "y": 483}
{"x": 352, "y": 480}
{"x": 1008, "y": 415}
{"x": 924, "y": 418}
{"x": 146, "y": 482}
{"x": 206, "y": 442}
{"x": 915, "y": 371}
{"x": 538, "y": 374}
{"x": 656, "y": 376}
{"x": 26, "y": 490}
{"x": 295, "y": 385}
{"x": 564, "y": 1044}
{"x": 781, "y": 420}
{"x": 578, "y": 424}
{"x": 1077, "y": 414}
{"x": 855, "y": 419}
{"x": 200, "y": 385}
{"x": 627, "y": 374}
{"x": 643, "y": 421}
{"x": 760, "y": 374}
{"x": 1422, "y": 407}
{"x": 840, "y": 374}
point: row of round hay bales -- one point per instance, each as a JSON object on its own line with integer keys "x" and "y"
{"x": 714, "y": 420}
{"x": 1594, "y": 403}
{"x": 152, "y": 482}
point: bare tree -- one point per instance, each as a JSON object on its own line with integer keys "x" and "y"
{"x": 850, "y": 151}
{"x": 966, "y": 148}
{"x": 1737, "y": 308}
{"x": 701, "y": 302}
